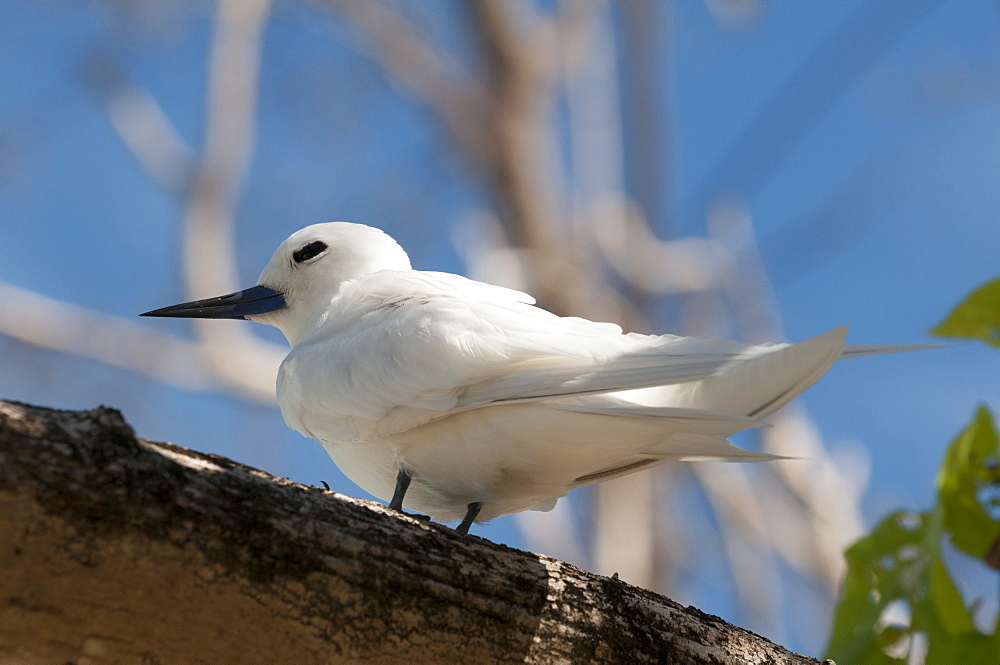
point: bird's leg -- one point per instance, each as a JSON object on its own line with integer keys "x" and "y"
{"x": 402, "y": 482}
{"x": 470, "y": 517}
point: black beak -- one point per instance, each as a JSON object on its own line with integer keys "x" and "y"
{"x": 239, "y": 305}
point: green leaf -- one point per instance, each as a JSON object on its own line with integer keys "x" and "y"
{"x": 942, "y": 616}
{"x": 946, "y": 609}
{"x": 886, "y": 565}
{"x": 977, "y": 317}
{"x": 900, "y": 560}
{"x": 968, "y": 486}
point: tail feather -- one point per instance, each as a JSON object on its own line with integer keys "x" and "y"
{"x": 859, "y": 350}
{"x": 759, "y": 387}
{"x": 608, "y": 406}
{"x": 689, "y": 448}
{"x": 714, "y": 407}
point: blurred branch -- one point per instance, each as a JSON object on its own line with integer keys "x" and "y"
{"x": 646, "y": 109}
{"x": 227, "y": 355}
{"x": 503, "y": 127}
{"x": 622, "y": 510}
{"x": 746, "y": 538}
{"x": 60, "y": 326}
{"x": 654, "y": 266}
{"x": 824, "y": 528}
{"x": 141, "y": 125}
{"x": 209, "y": 254}
{"x": 574, "y": 25}
{"x": 830, "y": 515}
{"x": 409, "y": 58}
{"x": 612, "y": 234}
{"x": 520, "y": 58}
{"x": 743, "y": 279}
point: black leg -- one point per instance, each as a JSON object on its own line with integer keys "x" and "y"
{"x": 470, "y": 517}
{"x": 402, "y": 482}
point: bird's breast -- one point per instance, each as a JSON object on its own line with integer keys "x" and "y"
{"x": 338, "y": 399}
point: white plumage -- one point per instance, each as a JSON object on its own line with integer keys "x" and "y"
{"x": 490, "y": 404}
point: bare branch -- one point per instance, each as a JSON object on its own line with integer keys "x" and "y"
{"x": 149, "y": 135}
{"x": 227, "y": 355}
{"x": 208, "y": 251}
{"x": 747, "y": 536}
{"x": 574, "y": 26}
{"x": 648, "y": 263}
{"x": 60, "y": 326}
{"x": 142, "y": 125}
{"x": 826, "y": 526}
{"x": 830, "y": 517}
{"x": 624, "y": 535}
{"x": 623, "y": 512}
{"x": 521, "y": 60}
{"x": 409, "y": 58}
{"x": 101, "y": 530}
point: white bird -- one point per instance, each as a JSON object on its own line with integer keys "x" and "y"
{"x": 463, "y": 400}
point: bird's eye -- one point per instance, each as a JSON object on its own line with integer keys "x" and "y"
{"x": 309, "y": 251}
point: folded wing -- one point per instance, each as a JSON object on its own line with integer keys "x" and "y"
{"x": 404, "y": 348}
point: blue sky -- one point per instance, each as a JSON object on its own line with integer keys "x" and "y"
{"x": 880, "y": 214}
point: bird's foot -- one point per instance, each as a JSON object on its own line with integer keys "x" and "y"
{"x": 470, "y": 517}
{"x": 402, "y": 483}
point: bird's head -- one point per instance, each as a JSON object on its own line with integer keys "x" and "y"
{"x": 306, "y": 271}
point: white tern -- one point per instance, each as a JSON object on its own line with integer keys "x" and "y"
{"x": 464, "y": 401}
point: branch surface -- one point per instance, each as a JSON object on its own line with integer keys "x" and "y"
{"x": 115, "y": 549}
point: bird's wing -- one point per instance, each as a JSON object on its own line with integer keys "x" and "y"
{"x": 400, "y": 348}
{"x": 490, "y": 345}
{"x": 397, "y": 348}
{"x": 637, "y": 362}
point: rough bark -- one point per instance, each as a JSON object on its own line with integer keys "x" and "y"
{"x": 115, "y": 549}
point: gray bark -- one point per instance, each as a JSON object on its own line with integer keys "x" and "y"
{"x": 115, "y": 549}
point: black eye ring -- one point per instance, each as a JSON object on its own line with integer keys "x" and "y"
{"x": 309, "y": 251}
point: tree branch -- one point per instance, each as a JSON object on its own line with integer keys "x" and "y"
{"x": 411, "y": 59}
{"x": 119, "y": 549}
{"x": 61, "y": 326}
{"x": 141, "y": 124}
{"x": 209, "y": 255}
